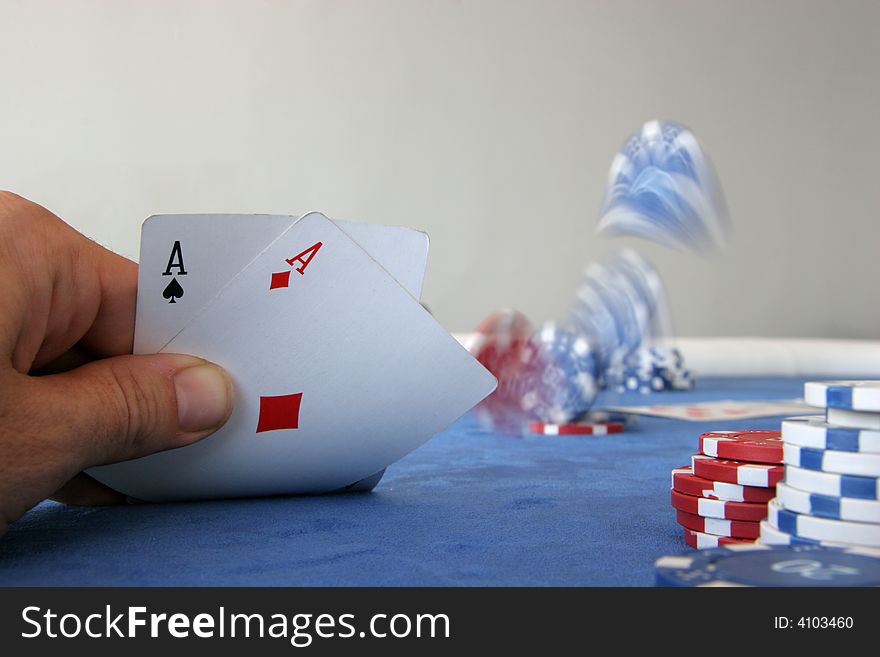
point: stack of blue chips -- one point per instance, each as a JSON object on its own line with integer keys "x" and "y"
{"x": 831, "y": 491}
{"x": 651, "y": 369}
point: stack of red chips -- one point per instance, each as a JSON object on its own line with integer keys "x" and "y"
{"x": 722, "y": 496}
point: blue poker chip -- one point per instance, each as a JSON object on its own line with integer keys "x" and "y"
{"x": 850, "y": 395}
{"x": 563, "y": 379}
{"x": 772, "y": 536}
{"x": 778, "y": 566}
{"x": 662, "y": 187}
{"x": 861, "y": 464}
{"x": 827, "y": 506}
{"x": 817, "y": 528}
{"x": 651, "y": 369}
{"x": 813, "y": 432}
{"x": 835, "y": 485}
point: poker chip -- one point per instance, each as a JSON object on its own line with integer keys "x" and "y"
{"x": 576, "y": 428}
{"x": 685, "y": 481}
{"x": 706, "y": 508}
{"x": 833, "y": 485}
{"x": 814, "y": 433}
{"x": 850, "y": 395}
{"x": 766, "y": 565}
{"x": 650, "y": 369}
{"x": 662, "y": 187}
{"x": 562, "y": 369}
{"x": 501, "y": 345}
{"x": 702, "y": 541}
{"x": 840, "y": 417}
{"x": 772, "y": 536}
{"x": 849, "y": 463}
{"x": 823, "y": 529}
{"x": 736, "y": 472}
{"x": 753, "y": 446}
{"x": 717, "y": 526}
{"x": 826, "y": 506}
{"x": 548, "y": 374}
{"x": 621, "y": 305}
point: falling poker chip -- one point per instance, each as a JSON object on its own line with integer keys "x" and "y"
{"x": 501, "y": 345}
{"x": 561, "y": 382}
{"x": 662, "y": 187}
{"x": 763, "y": 565}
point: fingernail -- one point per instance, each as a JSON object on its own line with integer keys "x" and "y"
{"x": 204, "y": 397}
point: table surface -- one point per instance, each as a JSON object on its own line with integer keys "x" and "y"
{"x": 467, "y": 508}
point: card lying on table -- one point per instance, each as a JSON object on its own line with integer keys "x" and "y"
{"x": 338, "y": 370}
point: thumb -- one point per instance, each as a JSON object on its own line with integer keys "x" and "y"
{"x": 129, "y": 406}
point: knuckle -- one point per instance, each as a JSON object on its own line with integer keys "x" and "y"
{"x": 138, "y": 404}
{"x": 12, "y": 206}
{"x": 20, "y": 217}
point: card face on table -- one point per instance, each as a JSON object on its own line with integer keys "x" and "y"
{"x": 718, "y": 410}
{"x": 338, "y": 373}
{"x": 187, "y": 259}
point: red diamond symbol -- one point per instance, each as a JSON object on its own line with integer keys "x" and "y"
{"x": 279, "y": 412}
{"x": 279, "y": 279}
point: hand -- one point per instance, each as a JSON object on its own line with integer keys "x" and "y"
{"x": 70, "y": 397}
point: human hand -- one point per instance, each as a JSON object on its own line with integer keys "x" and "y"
{"x": 70, "y": 396}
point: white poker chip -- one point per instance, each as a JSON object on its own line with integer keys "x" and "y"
{"x": 862, "y": 464}
{"x": 772, "y": 536}
{"x": 841, "y": 417}
{"x": 822, "y": 529}
{"x": 834, "y": 485}
{"x": 827, "y": 506}
{"x": 813, "y": 432}
{"x": 851, "y": 395}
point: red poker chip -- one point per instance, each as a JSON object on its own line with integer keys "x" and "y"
{"x": 685, "y": 481}
{"x": 576, "y": 428}
{"x": 701, "y": 506}
{"x": 701, "y": 540}
{"x": 717, "y": 526}
{"x": 752, "y": 446}
{"x": 762, "y": 475}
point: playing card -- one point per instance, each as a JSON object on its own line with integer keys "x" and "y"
{"x": 187, "y": 259}
{"x": 718, "y": 410}
{"x": 338, "y": 372}
{"x": 402, "y": 252}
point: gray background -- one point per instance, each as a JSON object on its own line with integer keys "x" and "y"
{"x": 489, "y": 124}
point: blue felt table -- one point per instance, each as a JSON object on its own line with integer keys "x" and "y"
{"x": 468, "y": 508}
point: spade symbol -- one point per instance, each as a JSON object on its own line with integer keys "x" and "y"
{"x": 173, "y": 291}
